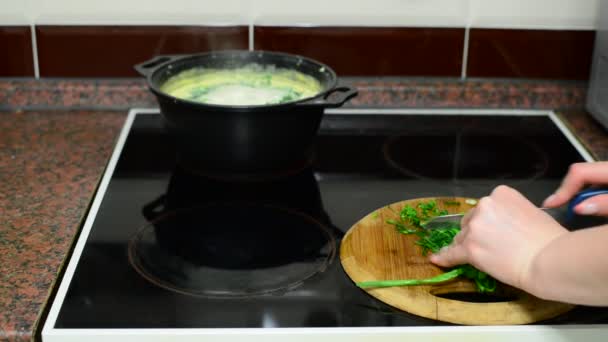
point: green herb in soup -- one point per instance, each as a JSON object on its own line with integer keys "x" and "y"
{"x": 245, "y": 86}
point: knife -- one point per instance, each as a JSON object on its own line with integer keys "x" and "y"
{"x": 564, "y": 215}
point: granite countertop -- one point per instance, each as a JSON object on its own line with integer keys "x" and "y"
{"x": 56, "y": 137}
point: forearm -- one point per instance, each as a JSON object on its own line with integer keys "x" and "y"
{"x": 572, "y": 268}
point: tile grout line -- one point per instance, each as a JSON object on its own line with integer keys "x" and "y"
{"x": 35, "y": 51}
{"x": 465, "y": 53}
{"x": 251, "y": 37}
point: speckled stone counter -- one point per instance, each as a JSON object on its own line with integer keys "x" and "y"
{"x": 50, "y": 165}
{"x": 56, "y": 137}
{"x": 386, "y": 92}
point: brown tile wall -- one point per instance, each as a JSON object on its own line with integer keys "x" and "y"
{"x": 16, "y": 57}
{"x": 546, "y": 54}
{"x": 98, "y": 51}
{"x": 357, "y": 51}
{"x": 111, "y": 51}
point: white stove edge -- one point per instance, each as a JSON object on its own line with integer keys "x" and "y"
{"x": 522, "y": 333}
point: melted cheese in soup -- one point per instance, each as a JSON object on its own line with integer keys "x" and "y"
{"x": 245, "y": 86}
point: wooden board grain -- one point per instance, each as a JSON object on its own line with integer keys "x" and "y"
{"x": 373, "y": 250}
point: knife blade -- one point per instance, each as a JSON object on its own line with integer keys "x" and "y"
{"x": 449, "y": 221}
{"x": 564, "y": 215}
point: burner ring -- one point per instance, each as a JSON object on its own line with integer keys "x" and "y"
{"x": 454, "y": 168}
{"x": 277, "y": 253}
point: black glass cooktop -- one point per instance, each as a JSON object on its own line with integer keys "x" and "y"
{"x": 170, "y": 248}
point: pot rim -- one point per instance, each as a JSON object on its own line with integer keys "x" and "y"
{"x": 155, "y": 88}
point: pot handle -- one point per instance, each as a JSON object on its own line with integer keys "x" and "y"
{"x": 147, "y": 67}
{"x": 154, "y": 209}
{"x": 344, "y": 94}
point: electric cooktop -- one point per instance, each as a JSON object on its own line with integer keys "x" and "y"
{"x": 168, "y": 252}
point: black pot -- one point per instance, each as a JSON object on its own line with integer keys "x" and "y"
{"x": 241, "y": 140}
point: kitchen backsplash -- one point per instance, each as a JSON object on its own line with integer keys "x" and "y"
{"x": 546, "y": 39}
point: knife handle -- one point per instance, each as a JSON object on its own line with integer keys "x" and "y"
{"x": 583, "y": 195}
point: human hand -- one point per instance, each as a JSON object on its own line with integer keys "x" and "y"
{"x": 501, "y": 236}
{"x": 579, "y": 175}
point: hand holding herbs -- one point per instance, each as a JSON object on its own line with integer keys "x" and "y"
{"x": 433, "y": 240}
{"x": 510, "y": 238}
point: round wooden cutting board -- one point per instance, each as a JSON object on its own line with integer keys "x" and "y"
{"x": 373, "y": 250}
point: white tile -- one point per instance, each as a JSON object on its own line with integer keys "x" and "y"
{"x": 534, "y": 14}
{"x": 428, "y": 13}
{"x": 15, "y": 12}
{"x": 551, "y": 14}
{"x": 141, "y": 12}
{"x": 13, "y": 19}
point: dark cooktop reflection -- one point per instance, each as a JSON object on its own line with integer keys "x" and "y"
{"x": 468, "y": 154}
{"x": 209, "y": 238}
{"x": 298, "y": 191}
